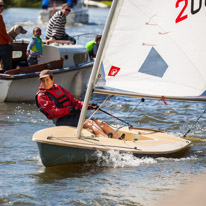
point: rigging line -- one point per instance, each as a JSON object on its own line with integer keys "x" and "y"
{"x": 117, "y": 127}
{"x": 194, "y": 123}
{"x": 109, "y": 96}
{"x": 142, "y": 100}
{"x": 115, "y": 117}
{"x": 88, "y": 120}
{"x": 130, "y": 126}
{"x": 96, "y": 143}
{"x": 97, "y": 127}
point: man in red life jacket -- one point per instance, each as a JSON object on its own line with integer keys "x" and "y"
{"x": 59, "y": 105}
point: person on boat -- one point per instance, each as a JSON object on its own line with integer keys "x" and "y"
{"x": 5, "y": 43}
{"x": 35, "y": 47}
{"x": 56, "y": 26}
{"x": 92, "y": 46}
{"x": 72, "y": 3}
{"x": 59, "y": 105}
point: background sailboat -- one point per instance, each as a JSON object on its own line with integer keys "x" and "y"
{"x": 151, "y": 48}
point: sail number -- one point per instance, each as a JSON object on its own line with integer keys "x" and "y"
{"x": 183, "y": 15}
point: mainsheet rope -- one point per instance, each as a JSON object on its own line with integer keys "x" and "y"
{"x": 194, "y": 123}
{"x": 124, "y": 122}
{"x": 122, "y": 125}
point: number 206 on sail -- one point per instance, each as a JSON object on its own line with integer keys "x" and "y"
{"x": 195, "y": 7}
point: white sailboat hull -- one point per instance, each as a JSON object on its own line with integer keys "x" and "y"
{"x": 69, "y": 63}
{"x": 59, "y": 146}
{"x": 4, "y": 88}
{"x": 24, "y": 89}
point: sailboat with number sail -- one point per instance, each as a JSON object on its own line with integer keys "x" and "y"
{"x": 150, "y": 49}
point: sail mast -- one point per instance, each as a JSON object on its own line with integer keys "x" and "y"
{"x": 95, "y": 70}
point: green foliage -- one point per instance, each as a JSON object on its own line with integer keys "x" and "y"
{"x": 23, "y": 3}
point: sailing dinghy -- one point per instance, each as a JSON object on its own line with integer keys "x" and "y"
{"x": 151, "y": 49}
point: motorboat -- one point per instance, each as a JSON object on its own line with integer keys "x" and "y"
{"x": 69, "y": 63}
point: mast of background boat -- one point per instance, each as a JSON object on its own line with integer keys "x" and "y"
{"x": 95, "y": 70}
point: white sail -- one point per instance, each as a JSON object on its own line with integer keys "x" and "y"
{"x": 156, "y": 47}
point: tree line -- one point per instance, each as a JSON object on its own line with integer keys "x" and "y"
{"x": 23, "y": 3}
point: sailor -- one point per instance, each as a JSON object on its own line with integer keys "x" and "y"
{"x": 59, "y": 105}
{"x": 92, "y": 46}
{"x": 56, "y": 26}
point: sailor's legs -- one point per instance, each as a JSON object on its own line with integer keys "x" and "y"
{"x": 99, "y": 127}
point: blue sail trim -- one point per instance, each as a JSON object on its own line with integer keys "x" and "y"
{"x": 154, "y": 64}
{"x": 102, "y": 78}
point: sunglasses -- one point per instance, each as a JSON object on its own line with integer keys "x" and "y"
{"x": 1, "y": 5}
{"x": 67, "y": 10}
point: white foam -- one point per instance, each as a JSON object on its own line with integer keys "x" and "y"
{"x": 115, "y": 159}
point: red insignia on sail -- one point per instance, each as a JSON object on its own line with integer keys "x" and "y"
{"x": 113, "y": 71}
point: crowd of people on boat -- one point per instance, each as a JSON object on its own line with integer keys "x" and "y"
{"x": 54, "y": 101}
{"x": 55, "y": 32}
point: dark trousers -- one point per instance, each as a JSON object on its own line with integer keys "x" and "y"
{"x": 32, "y": 60}
{"x": 66, "y": 37}
{"x": 70, "y": 119}
{"x": 6, "y": 56}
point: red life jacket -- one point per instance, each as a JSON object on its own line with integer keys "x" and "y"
{"x": 58, "y": 95}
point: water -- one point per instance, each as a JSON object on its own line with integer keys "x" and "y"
{"x": 115, "y": 179}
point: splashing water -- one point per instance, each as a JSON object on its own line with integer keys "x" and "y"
{"x": 116, "y": 159}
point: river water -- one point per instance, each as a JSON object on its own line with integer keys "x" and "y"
{"x": 115, "y": 179}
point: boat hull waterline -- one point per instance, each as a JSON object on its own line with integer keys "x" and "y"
{"x": 59, "y": 146}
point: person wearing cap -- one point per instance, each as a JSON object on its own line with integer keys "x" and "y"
{"x": 56, "y": 26}
{"x": 35, "y": 47}
{"x": 5, "y": 43}
{"x": 58, "y": 104}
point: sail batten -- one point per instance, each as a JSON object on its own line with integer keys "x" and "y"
{"x": 147, "y": 52}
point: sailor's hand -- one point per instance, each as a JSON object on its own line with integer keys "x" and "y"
{"x": 27, "y": 53}
{"x": 93, "y": 106}
{"x": 50, "y": 40}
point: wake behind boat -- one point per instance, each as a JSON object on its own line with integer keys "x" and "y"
{"x": 145, "y": 52}
{"x": 70, "y": 65}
